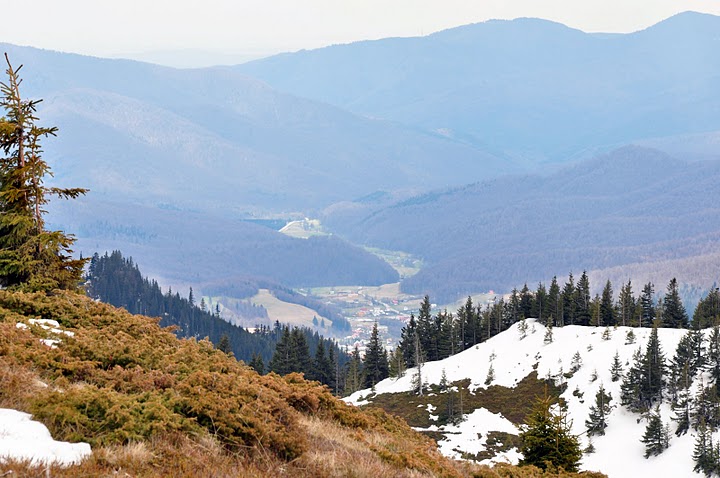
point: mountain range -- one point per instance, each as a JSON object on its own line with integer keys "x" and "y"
{"x": 528, "y": 89}
{"x": 454, "y": 146}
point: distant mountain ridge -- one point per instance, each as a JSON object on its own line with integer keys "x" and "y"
{"x": 526, "y": 88}
{"x": 225, "y": 138}
{"x": 632, "y": 206}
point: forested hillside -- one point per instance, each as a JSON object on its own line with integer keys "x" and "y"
{"x": 633, "y": 206}
{"x": 118, "y": 281}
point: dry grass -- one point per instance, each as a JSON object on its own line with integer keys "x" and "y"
{"x": 156, "y": 406}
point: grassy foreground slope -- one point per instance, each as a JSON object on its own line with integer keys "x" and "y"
{"x": 153, "y": 405}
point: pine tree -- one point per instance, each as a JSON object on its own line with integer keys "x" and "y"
{"x": 597, "y": 421}
{"x": 353, "y": 380}
{"x": 31, "y": 257}
{"x": 705, "y": 455}
{"x": 707, "y": 312}
{"x": 616, "y": 369}
{"x": 396, "y": 363}
{"x": 546, "y": 440}
{"x": 674, "y": 314}
{"x": 656, "y": 437}
{"x": 582, "y": 300}
{"x": 653, "y": 369}
{"x": 548, "y": 338}
{"x": 407, "y": 342}
{"x": 257, "y": 363}
{"x": 607, "y": 308}
{"x": 681, "y": 405}
{"x": 224, "y": 344}
{"x": 490, "y": 375}
{"x": 569, "y": 305}
{"x": 647, "y": 305}
{"x": 713, "y": 355}
{"x": 554, "y": 300}
{"x": 630, "y": 389}
{"x": 626, "y": 304}
{"x": 375, "y": 365}
{"x": 321, "y": 370}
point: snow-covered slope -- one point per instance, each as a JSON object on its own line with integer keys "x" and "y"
{"x": 619, "y": 453}
{"x": 24, "y": 439}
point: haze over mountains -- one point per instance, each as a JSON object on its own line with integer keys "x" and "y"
{"x": 525, "y": 88}
{"x": 175, "y": 159}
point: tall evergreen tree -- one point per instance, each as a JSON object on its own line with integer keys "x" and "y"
{"x": 674, "y": 314}
{"x": 681, "y": 404}
{"x": 597, "y": 421}
{"x": 554, "y": 301}
{"x": 647, "y": 305}
{"x": 705, "y": 454}
{"x": 526, "y": 302}
{"x": 407, "y": 342}
{"x": 707, "y": 312}
{"x": 540, "y": 304}
{"x": 583, "y": 300}
{"x": 353, "y": 374}
{"x": 626, "y": 304}
{"x": 713, "y": 355}
{"x": 653, "y": 369}
{"x": 569, "y": 305}
{"x": 321, "y": 369}
{"x": 656, "y": 437}
{"x": 607, "y": 308}
{"x": 31, "y": 257}
{"x": 375, "y": 365}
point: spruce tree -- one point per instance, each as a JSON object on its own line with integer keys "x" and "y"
{"x": 597, "y": 421}
{"x": 705, "y": 454}
{"x": 375, "y": 365}
{"x": 681, "y": 404}
{"x": 656, "y": 437}
{"x": 569, "y": 304}
{"x": 224, "y": 344}
{"x": 554, "y": 300}
{"x": 647, "y": 305}
{"x": 707, "y": 312}
{"x": 630, "y": 389}
{"x": 31, "y": 257}
{"x": 546, "y": 440}
{"x": 257, "y": 363}
{"x": 674, "y": 314}
{"x": 626, "y": 304}
{"x": 653, "y": 381}
{"x": 353, "y": 374}
{"x": 582, "y": 300}
{"x": 607, "y": 308}
{"x": 407, "y": 342}
{"x": 321, "y": 370}
{"x": 616, "y": 369}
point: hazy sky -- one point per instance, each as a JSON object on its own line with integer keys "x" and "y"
{"x": 209, "y": 31}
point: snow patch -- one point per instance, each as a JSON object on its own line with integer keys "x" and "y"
{"x": 22, "y": 438}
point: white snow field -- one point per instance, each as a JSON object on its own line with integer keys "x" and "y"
{"x": 619, "y": 453}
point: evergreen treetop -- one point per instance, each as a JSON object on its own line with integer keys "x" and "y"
{"x": 31, "y": 257}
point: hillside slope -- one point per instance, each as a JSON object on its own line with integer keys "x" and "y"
{"x": 495, "y": 410}
{"x": 153, "y": 405}
{"x": 632, "y": 206}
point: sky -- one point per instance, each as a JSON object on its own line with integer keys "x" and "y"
{"x": 184, "y": 33}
